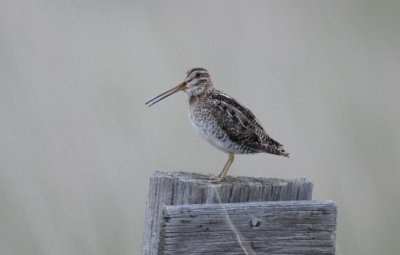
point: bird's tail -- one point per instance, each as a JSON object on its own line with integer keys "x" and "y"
{"x": 273, "y": 147}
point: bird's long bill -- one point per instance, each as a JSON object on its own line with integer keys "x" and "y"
{"x": 167, "y": 93}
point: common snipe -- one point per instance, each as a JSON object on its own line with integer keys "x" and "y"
{"x": 221, "y": 120}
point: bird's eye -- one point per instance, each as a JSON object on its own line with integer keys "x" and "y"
{"x": 198, "y": 74}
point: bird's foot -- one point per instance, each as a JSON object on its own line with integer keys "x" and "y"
{"x": 217, "y": 178}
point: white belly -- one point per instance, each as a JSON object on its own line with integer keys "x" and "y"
{"x": 211, "y": 132}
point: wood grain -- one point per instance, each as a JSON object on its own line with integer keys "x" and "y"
{"x": 284, "y": 227}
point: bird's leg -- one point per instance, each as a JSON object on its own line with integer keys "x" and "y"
{"x": 228, "y": 165}
{"x": 218, "y": 176}
{"x": 224, "y": 171}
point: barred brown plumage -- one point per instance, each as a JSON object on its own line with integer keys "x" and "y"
{"x": 221, "y": 120}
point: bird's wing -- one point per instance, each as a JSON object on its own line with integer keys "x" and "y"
{"x": 242, "y": 126}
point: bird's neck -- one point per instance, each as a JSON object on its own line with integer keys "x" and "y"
{"x": 198, "y": 97}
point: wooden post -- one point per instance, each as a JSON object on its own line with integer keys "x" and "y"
{"x": 181, "y": 188}
{"x": 284, "y": 227}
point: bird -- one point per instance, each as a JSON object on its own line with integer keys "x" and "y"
{"x": 222, "y": 120}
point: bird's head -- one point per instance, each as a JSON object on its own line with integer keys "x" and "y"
{"x": 196, "y": 82}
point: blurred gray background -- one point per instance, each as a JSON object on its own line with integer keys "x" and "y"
{"x": 77, "y": 144}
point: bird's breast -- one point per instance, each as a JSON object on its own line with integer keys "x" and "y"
{"x": 206, "y": 126}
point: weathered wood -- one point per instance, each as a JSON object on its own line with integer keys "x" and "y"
{"x": 179, "y": 188}
{"x": 284, "y": 227}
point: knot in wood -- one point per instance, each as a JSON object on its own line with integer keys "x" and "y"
{"x": 255, "y": 222}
